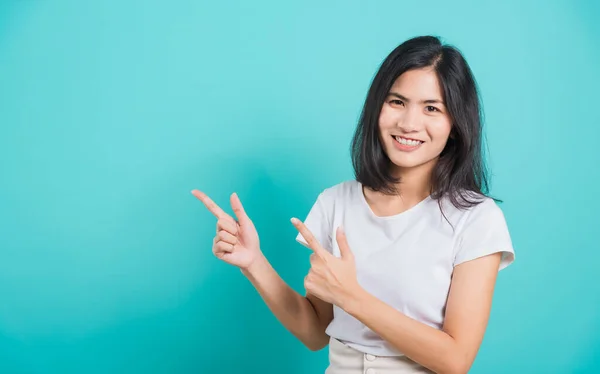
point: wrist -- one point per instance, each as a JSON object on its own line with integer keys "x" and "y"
{"x": 255, "y": 266}
{"x": 354, "y": 301}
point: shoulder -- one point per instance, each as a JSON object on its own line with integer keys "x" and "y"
{"x": 485, "y": 211}
{"x": 456, "y": 217}
{"x": 484, "y": 230}
{"x": 340, "y": 191}
{"x": 482, "y": 207}
{"x": 334, "y": 196}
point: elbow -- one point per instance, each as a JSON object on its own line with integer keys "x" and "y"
{"x": 455, "y": 370}
{"x": 316, "y": 344}
{"x": 456, "y": 365}
{"x": 452, "y": 361}
{"x": 315, "y": 347}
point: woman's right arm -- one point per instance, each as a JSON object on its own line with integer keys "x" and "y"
{"x": 237, "y": 243}
{"x": 306, "y": 317}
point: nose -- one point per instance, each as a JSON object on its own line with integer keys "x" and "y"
{"x": 410, "y": 121}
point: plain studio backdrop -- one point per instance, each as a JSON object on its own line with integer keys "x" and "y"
{"x": 112, "y": 112}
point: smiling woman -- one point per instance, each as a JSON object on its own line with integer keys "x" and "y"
{"x": 400, "y": 117}
{"x": 405, "y": 257}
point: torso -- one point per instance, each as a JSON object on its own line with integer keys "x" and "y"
{"x": 404, "y": 259}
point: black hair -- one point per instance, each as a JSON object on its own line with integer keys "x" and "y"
{"x": 460, "y": 172}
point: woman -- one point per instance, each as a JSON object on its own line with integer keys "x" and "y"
{"x": 405, "y": 257}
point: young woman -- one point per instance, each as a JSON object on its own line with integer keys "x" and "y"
{"x": 405, "y": 256}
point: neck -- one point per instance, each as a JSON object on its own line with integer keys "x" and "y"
{"x": 414, "y": 187}
{"x": 415, "y": 183}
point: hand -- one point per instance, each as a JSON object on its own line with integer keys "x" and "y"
{"x": 330, "y": 278}
{"x": 236, "y": 242}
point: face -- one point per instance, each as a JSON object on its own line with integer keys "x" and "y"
{"x": 414, "y": 123}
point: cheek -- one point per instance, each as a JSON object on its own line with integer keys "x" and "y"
{"x": 439, "y": 131}
{"x": 386, "y": 119}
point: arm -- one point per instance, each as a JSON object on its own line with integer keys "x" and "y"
{"x": 452, "y": 349}
{"x": 237, "y": 243}
{"x": 305, "y": 317}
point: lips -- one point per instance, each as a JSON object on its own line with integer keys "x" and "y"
{"x": 406, "y": 145}
{"x": 407, "y": 141}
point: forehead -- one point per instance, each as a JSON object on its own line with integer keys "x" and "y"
{"x": 420, "y": 84}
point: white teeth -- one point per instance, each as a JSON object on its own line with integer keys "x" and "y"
{"x": 407, "y": 142}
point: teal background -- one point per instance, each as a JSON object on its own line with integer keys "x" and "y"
{"x": 111, "y": 112}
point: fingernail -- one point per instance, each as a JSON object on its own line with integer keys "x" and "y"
{"x": 294, "y": 220}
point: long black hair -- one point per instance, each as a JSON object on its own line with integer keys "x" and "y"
{"x": 460, "y": 173}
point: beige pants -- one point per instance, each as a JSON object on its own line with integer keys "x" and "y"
{"x": 346, "y": 360}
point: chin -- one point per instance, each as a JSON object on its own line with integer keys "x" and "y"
{"x": 406, "y": 164}
{"x": 409, "y": 161}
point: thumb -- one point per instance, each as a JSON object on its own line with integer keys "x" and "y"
{"x": 238, "y": 209}
{"x": 342, "y": 241}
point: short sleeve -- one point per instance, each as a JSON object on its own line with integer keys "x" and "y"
{"x": 318, "y": 222}
{"x": 485, "y": 232}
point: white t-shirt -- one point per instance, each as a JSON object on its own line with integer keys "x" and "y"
{"x": 406, "y": 260}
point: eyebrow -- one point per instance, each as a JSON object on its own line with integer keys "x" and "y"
{"x": 430, "y": 101}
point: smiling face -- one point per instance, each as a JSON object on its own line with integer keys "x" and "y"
{"x": 414, "y": 124}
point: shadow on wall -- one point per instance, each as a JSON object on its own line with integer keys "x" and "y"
{"x": 239, "y": 332}
{"x": 224, "y": 326}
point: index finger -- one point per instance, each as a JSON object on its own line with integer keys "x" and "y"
{"x": 313, "y": 243}
{"x": 210, "y": 205}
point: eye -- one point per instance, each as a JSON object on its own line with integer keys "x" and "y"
{"x": 432, "y": 108}
{"x": 396, "y": 102}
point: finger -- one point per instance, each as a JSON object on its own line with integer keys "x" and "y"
{"x": 307, "y": 283}
{"x": 227, "y": 237}
{"x": 223, "y": 247}
{"x": 315, "y": 261}
{"x": 342, "y": 241}
{"x": 313, "y": 243}
{"x": 210, "y": 205}
{"x": 215, "y": 249}
{"x": 214, "y": 246}
{"x": 319, "y": 270}
{"x": 228, "y": 225}
{"x": 238, "y": 209}
{"x": 310, "y": 284}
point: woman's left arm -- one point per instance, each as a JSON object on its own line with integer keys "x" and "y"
{"x": 449, "y": 350}
{"x": 452, "y": 349}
